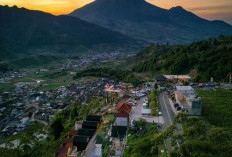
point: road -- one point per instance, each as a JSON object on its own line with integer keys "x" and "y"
{"x": 136, "y": 113}
{"x": 167, "y": 111}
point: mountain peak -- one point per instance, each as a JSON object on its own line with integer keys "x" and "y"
{"x": 178, "y": 8}
{"x": 142, "y": 20}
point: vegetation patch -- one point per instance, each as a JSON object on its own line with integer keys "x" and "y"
{"x": 209, "y": 58}
{"x": 199, "y": 138}
{"x": 217, "y": 107}
{"x": 152, "y": 99}
{"x": 115, "y": 74}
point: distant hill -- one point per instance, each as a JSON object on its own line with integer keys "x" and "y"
{"x": 142, "y": 20}
{"x": 29, "y": 32}
{"x": 203, "y": 60}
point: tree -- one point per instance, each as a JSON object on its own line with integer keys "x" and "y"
{"x": 29, "y": 114}
{"x": 57, "y": 127}
{"x": 220, "y": 136}
{"x": 141, "y": 123}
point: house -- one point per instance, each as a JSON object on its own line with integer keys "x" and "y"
{"x": 2, "y": 109}
{"x": 73, "y": 133}
{"x": 94, "y": 118}
{"x": 191, "y": 104}
{"x": 90, "y": 125}
{"x": 86, "y": 132}
{"x": 98, "y": 141}
{"x": 188, "y": 100}
{"x": 68, "y": 143}
{"x": 126, "y": 85}
{"x": 97, "y": 151}
{"x": 61, "y": 152}
{"x": 121, "y": 121}
{"x": 181, "y": 90}
{"x": 81, "y": 142}
{"x": 119, "y": 131}
{"x": 181, "y": 78}
{"x": 120, "y": 127}
{"x": 125, "y": 115}
{"x": 124, "y": 108}
{"x": 160, "y": 78}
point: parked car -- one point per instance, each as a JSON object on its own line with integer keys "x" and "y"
{"x": 178, "y": 108}
{"x": 133, "y": 104}
{"x": 176, "y": 105}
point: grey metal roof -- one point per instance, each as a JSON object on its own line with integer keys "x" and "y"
{"x": 184, "y": 88}
{"x": 121, "y": 121}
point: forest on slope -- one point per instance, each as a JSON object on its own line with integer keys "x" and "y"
{"x": 28, "y": 32}
{"x": 202, "y": 60}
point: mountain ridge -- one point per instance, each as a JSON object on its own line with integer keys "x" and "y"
{"x": 31, "y": 31}
{"x": 141, "y": 20}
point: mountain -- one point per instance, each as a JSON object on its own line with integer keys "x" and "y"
{"x": 203, "y": 60}
{"x": 26, "y": 31}
{"x": 142, "y": 20}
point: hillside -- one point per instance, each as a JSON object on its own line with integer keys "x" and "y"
{"x": 142, "y": 20}
{"x": 29, "y": 32}
{"x": 205, "y": 59}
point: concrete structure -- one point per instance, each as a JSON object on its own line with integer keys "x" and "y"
{"x": 146, "y": 111}
{"x": 188, "y": 100}
{"x": 178, "y": 77}
{"x": 181, "y": 90}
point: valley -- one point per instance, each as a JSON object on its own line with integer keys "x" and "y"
{"x": 114, "y": 78}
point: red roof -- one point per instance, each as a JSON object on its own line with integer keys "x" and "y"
{"x": 125, "y": 107}
{"x": 61, "y": 151}
{"x": 69, "y": 145}
{"x": 73, "y": 133}
{"x": 67, "y": 142}
{"x": 121, "y": 115}
{"x": 62, "y": 155}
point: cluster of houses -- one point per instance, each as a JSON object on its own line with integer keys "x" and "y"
{"x": 45, "y": 104}
{"x": 8, "y": 76}
{"x": 78, "y": 140}
{"x": 89, "y": 58}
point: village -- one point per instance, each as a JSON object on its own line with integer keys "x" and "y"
{"x": 128, "y": 114}
{"x": 23, "y": 106}
{"x": 20, "y": 108}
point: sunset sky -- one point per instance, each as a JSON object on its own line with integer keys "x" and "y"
{"x": 209, "y": 9}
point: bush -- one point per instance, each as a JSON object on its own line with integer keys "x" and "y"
{"x": 152, "y": 99}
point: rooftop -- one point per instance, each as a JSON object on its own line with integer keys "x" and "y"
{"x": 93, "y": 118}
{"x": 81, "y": 139}
{"x": 184, "y": 88}
{"x": 146, "y": 111}
{"x": 119, "y": 121}
{"x": 124, "y": 107}
{"x": 177, "y": 76}
{"x": 126, "y": 115}
{"x": 86, "y": 132}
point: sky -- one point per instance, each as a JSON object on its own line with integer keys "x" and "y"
{"x": 209, "y": 9}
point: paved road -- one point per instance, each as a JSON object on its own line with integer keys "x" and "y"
{"x": 166, "y": 110}
{"x": 136, "y": 113}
